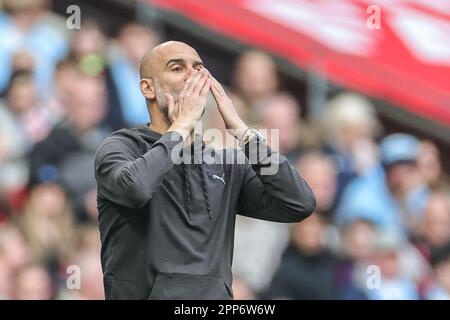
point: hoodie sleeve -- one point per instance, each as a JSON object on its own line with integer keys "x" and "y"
{"x": 272, "y": 189}
{"x": 126, "y": 177}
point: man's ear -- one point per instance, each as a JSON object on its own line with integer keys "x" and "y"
{"x": 147, "y": 86}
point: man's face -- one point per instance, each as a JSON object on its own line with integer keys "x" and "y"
{"x": 176, "y": 63}
{"x": 401, "y": 177}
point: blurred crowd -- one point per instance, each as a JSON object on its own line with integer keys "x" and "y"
{"x": 381, "y": 229}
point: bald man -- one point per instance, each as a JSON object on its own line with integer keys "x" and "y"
{"x": 167, "y": 226}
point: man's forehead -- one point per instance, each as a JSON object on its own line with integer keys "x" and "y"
{"x": 163, "y": 61}
{"x": 158, "y": 58}
{"x": 189, "y": 57}
{"x": 183, "y": 56}
{"x": 177, "y": 51}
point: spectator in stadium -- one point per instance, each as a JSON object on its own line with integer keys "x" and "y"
{"x": 22, "y": 124}
{"x": 282, "y": 112}
{"x": 430, "y": 165}
{"x": 47, "y": 224}
{"x": 133, "y": 41}
{"x": 389, "y": 282}
{"x": 88, "y": 48}
{"x": 90, "y": 52}
{"x": 392, "y": 193}
{"x": 20, "y": 61}
{"x": 91, "y": 280}
{"x": 320, "y": 172}
{"x": 32, "y": 282}
{"x": 29, "y": 27}
{"x": 394, "y": 270}
{"x": 5, "y": 281}
{"x": 13, "y": 147}
{"x": 88, "y": 238}
{"x": 85, "y": 257}
{"x": 257, "y": 251}
{"x": 307, "y": 269}
{"x": 14, "y": 250}
{"x": 355, "y": 250}
{"x": 14, "y": 255}
{"x": 440, "y": 290}
{"x": 434, "y": 226}
{"x": 255, "y": 79}
{"x": 67, "y": 73}
{"x": 350, "y": 126}
{"x": 67, "y": 155}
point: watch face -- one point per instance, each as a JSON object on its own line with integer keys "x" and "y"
{"x": 260, "y": 137}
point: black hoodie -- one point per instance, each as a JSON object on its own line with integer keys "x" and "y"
{"x": 167, "y": 229}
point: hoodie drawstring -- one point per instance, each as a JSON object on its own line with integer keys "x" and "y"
{"x": 204, "y": 184}
{"x": 187, "y": 191}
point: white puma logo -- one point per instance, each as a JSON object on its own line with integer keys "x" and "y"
{"x": 219, "y": 178}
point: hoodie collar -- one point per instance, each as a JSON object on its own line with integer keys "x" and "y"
{"x": 148, "y": 134}
{"x": 151, "y": 137}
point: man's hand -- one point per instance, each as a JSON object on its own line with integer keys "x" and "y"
{"x": 231, "y": 118}
{"x": 190, "y": 103}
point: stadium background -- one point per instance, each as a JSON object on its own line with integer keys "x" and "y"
{"x": 63, "y": 91}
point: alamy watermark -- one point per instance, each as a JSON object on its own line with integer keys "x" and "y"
{"x": 374, "y": 19}
{"x": 258, "y": 153}
{"x": 73, "y": 21}
{"x": 73, "y": 281}
{"x": 373, "y": 281}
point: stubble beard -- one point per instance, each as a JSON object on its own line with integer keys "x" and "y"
{"x": 162, "y": 101}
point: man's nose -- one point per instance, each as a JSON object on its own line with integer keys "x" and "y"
{"x": 192, "y": 71}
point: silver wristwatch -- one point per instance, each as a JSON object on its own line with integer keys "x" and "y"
{"x": 249, "y": 135}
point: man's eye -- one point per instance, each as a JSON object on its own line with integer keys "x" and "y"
{"x": 177, "y": 69}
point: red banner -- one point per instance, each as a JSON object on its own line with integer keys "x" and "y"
{"x": 396, "y": 50}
